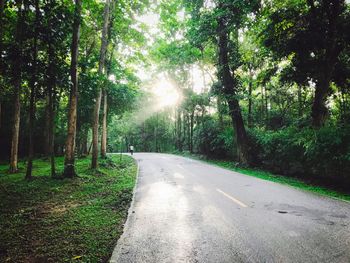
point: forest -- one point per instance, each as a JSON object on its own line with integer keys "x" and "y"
{"x": 261, "y": 84}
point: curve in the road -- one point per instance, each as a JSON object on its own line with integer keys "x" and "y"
{"x": 189, "y": 211}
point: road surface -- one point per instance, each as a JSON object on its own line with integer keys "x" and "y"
{"x": 189, "y": 211}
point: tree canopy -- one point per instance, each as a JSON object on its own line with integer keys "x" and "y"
{"x": 263, "y": 83}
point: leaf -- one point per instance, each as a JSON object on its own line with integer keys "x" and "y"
{"x": 77, "y": 257}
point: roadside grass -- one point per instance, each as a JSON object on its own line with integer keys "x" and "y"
{"x": 64, "y": 220}
{"x": 291, "y": 181}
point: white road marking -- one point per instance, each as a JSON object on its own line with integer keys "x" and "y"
{"x": 232, "y": 198}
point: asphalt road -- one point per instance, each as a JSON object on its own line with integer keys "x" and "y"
{"x": 189, "y": 211}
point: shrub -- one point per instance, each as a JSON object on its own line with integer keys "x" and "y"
{"x": 292, "y": 151}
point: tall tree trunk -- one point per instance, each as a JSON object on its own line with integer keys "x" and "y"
{"x": 32, "y": 84}
{"x": 69, "y": 161}
{"x": 230, "y": 91}
{"x": 104, "y": 89}
{"x": 15, "y": 133}
{"x": 319, "y": 110}
{"x": 51, "y": 124}
{"x": 51, "y": 87}
{"x": 104, "y": 126}
{"x": 52, "y": 138}
{"x": 104, "y": 43}
{"x": 105, "y": 102}
{"x": 17, "y": 81}
{"x": 89, "y": 149}
{"x": 84, "y": 146}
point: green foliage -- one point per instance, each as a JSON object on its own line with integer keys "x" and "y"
{"x": 280, "y": 54}
{"x": 322, "y": 153}
{"x": 305, "y": 30}
{"x": 214, "y": 142}
{"x": 53, "y": 32}
{"x": 276, "y": 52}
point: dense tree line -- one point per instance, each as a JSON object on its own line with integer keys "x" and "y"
{"x": 276, "y": 84}
{"x": 61, "y": 61}
{"x": 273, "y": 76}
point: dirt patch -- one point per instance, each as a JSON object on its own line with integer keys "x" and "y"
{"x": 55, "y": 209}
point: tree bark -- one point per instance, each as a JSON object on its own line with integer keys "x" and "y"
{"x": 104, "y": 126}
{"x": 51, "y": 124}
{"x": 17, "y": 81}
{"x": 105, "y": 107}
{"x": 319, "y": 110}
{"x": 230, "y": 91}
{"x": 15, "y": 133}
{"x": 32, "y": 84}
{"x": 84, "y": 146}
{"x": 51, "y": 90}
{"x": 69, "y": 161}
{"x": 47, "y": 127}
{"x": 104, "y": 43}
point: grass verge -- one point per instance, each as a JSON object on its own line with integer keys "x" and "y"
{"x": 294, "y": 182}
{"x": 68, "y": 220}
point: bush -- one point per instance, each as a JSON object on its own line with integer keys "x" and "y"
{"x": 292, "y": 151}
{"x": 214, "y": 142}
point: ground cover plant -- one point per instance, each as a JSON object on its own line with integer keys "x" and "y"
{"x": 64, "y": 220}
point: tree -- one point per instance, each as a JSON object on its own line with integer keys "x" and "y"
{"x": 313, "y": 34}
{"x": 33, "y": 90}
{"x": 230, "y": 90}
{"x": 69, "y": 167}
{"x": 17, "y": 82}
{"x": 101, "y": 66}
